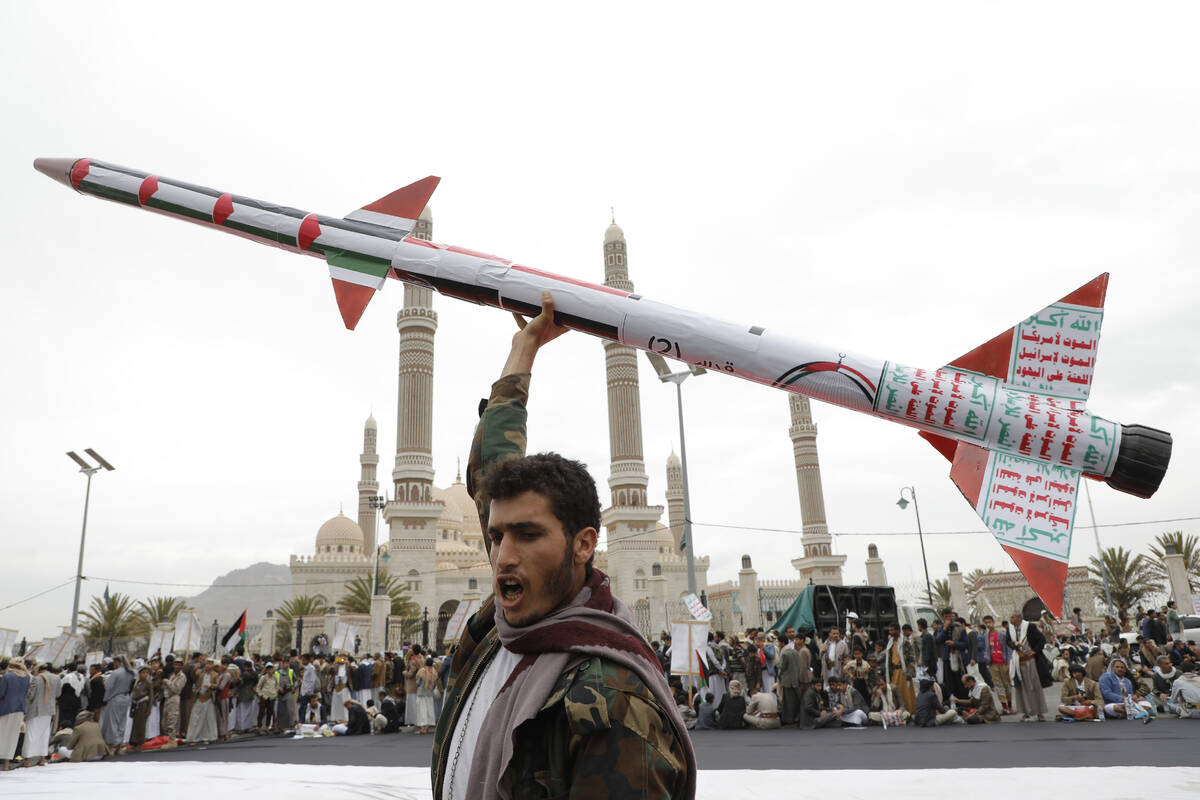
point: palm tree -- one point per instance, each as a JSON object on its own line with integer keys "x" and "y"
{"x": 1187, "y": 546}
{"x": 939, "y": 597}
{"x": 357, "y": 599}
{"x": 111, "y": 617}
{"x": 974, "y": 598}
{"x": 157, "y": 609}
{"x": 305, "y": 605}
{"x": 1130, "y": 577}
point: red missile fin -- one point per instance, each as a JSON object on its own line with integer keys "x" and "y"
{"x": 1029, "y": 354}
{"x": 990, "y": 358}
{"x": 970, "y": 465}
{"x": 940, "y": 443}
{"x": 1047, "y": 577}
{"x": 400, "y": 209}
{"x": 352, "y": 299}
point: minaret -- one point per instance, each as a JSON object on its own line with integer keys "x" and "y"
{"x": 675, "y": 497}
{"x": 628, "y": 515}
{"x": 417, "y": 323}
{"x": 412, "y": 514}
{"x": 367, "y": 485}
{"x": 818, "y": 564}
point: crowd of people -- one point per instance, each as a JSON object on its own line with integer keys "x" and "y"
{"x": 82, "y": 713}
{"x": 947, "y": 671}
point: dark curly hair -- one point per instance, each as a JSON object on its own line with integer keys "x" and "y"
{"x": 566, "y": 484}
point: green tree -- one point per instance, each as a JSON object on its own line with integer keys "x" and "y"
{"x": 1187, "y": 546}
{"x": 357, "y": 599}
{"x": 158, "y": 609}
{"x": 975, "y": 606}
{"x": 939, "y": 597}
{"x": 114, "y": 616}
{"x": 1130, "y": 577}
{"x": 305, "y": 605}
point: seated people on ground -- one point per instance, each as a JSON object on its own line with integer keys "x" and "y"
{"x": 1185, "y": 692}
{"x": 763, "y": 712}
{"x": 1120, "y": 698}
{"x": 886, "y": 708}
{"x": 930, "y": 711}
{"x": 980, "y": 705}
{"x": 1080, "y": 697}
{"x": 846, "y": 707}
{"x": 732, "y": 708}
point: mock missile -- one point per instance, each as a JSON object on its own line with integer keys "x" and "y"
{"x": 1010, "y": 415}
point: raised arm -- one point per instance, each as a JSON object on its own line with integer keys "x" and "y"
{"x": 500, "y": 434}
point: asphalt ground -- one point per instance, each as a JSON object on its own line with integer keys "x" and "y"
{"x": 1165, "y": 742}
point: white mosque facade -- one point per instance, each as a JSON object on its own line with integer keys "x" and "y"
{"x": 434, "y": 542}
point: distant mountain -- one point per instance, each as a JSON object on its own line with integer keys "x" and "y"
{"x": 255, "y": 588}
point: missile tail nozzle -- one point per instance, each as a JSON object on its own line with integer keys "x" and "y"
{"x": 57, "y": 168}
{"x": 1141, "y": 460}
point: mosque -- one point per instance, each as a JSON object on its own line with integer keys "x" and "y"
{"x": 434, "y": 542}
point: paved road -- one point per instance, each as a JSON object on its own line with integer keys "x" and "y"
{"x": 1165, "y": 742}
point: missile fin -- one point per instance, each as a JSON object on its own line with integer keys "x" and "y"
{"x": 1029, "y": 507}
{"x": 942, "y": 444}
{"x": 355, "y": 281}
{"x": 1047, "y": 577}
{"x": 1051, "y": 352}
{"x": 400, "y": 209}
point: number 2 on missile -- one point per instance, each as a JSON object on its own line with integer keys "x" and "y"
{"x": 665, "y": 346}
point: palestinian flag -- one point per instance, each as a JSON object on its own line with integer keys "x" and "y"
{"x": 235, "y": 635}
{"x": 703, "y": 671}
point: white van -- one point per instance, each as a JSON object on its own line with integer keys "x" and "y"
{"x": 909, "y": 613}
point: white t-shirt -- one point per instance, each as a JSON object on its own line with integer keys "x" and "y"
{"x": 456, "y": 783}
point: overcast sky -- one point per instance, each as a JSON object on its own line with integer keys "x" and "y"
{"x": 901, "y": 181}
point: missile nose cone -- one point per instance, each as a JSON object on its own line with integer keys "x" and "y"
{"x": 57, "y": 168}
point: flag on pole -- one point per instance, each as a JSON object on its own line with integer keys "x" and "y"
{"x": 701, "y": 670}
{"x": 235, "y": 635}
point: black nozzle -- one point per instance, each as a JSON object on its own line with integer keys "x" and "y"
{"x": 1141, "y": 460}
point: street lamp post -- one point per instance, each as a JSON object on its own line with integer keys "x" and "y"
{"x": 378, "y": 502}
{"x": 89, "y": 470}
{"x": 903, "y": 503}
{"x": 666, "y": 376}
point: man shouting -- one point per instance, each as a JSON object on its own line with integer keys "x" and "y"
{"x": 553, "y": 690}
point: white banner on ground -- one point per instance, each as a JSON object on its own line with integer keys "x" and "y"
{"x": 458, "y": 620}
{"x": 686, "y": 639}
{"x": 697, "y": 609}
{"x": 8, "y": 641}
{"x": 187, "y": 633}
{"x": 160, "y": 640}
{"x": 93, "y": 657}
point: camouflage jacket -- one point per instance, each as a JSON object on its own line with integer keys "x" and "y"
{"x": 601, "y": 732}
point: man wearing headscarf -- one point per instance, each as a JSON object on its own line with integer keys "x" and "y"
{"x": 1026, "y": 643}
{"x": 40, "y": 700}
{"x": 70, "y": 698}
{"x": 117, "y": 687}
{"x": 14, "y": 687}
{"x": 732, "y": 708}
{"x": 86, "y": 742}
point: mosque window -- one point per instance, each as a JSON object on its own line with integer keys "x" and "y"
{"x": 472, "y": 584}
{"x": 620, "y": 259}
{"x": 608, "y": 260}
{"x": 339, "y": 548}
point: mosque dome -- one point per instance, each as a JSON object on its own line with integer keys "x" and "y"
{"x": 340, "y": 534}
{"x": 371, "y": 423}
{"x": 673, "y": 461}
{"x": 451, "y": 515}
{"x": 457, "y": 495}
{"x": 614, "y": 233}
{"x": 426, "y": 214}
